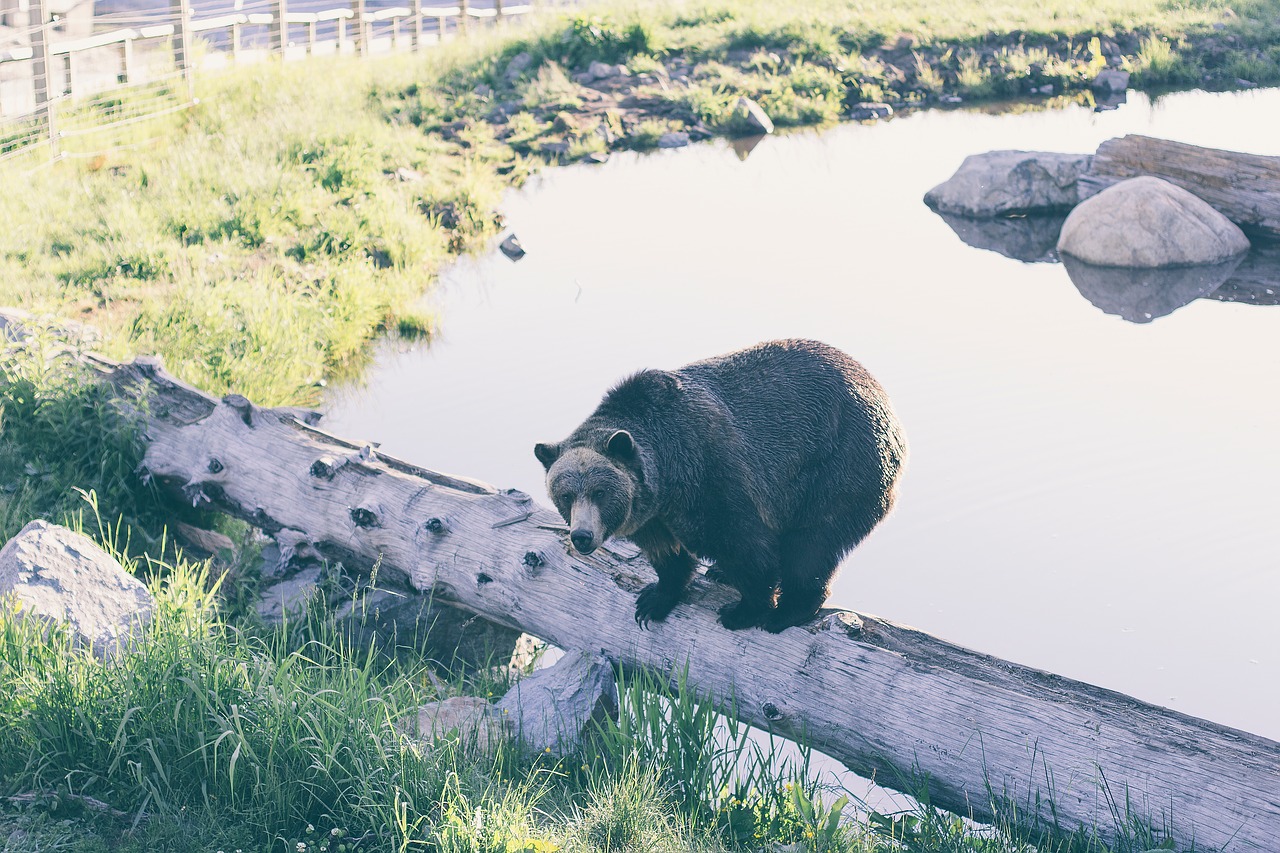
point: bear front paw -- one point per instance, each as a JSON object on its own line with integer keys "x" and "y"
{"x": 653, "y": 604}
{"x": 738, "y": 616}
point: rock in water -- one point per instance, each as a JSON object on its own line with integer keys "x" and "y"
{"x": 868, "y": 111}
{"x": 999, "y": 183}
{"x": 1111, "y": 80}
{"x": 511, "y": 247}
{"x": 674, "y": 139}
{"x": 550, "y": 708}
{"x": 61, "y": 576}
{"x": 757, "y": 120}
{"x": 1148, "y": 222}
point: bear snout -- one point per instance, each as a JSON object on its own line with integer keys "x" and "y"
{"x": 583, "y": 540}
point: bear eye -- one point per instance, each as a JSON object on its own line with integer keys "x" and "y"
{"x": 597, "y": 495}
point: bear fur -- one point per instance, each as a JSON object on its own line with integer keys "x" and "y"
{"x": 773, "y": 462}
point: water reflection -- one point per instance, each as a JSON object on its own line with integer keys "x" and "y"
{"x": 1136, "y": 295}
{"x": 1141, "y": 295}
{"x": 1032, "y": 239}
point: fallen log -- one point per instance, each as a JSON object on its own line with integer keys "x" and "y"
{"x": 912, "y": 711}
{"x": 1243, "y": 187}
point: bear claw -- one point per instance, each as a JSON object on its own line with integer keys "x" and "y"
{"x": 736, "y": 617}
{"x": 653, "y": 604}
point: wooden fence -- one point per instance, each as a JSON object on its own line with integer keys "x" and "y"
{"x": 44, "y": 72}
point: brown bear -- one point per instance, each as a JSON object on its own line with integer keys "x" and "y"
{"x": 773, "y": 462}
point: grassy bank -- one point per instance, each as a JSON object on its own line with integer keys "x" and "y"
{"x": 208, "y": 737}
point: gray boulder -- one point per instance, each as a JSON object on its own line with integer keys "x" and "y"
{"x": 471, "y": 719}
{"x": 674, "y": 139}
{"x": 289, "y": 597}
{"x": 550, "y": 709}
{"x": 1147, "y": 222}
{"x": 61, "y": 576}
{"x": 1111, "y": 80}
{"x": 517, "y": 66}
{"x": 868, "y": 111}
{"x": 999, "y": 183}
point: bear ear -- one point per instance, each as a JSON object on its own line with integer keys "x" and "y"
{"x": 547, "y": 454}
{"x": 621, "y": 445}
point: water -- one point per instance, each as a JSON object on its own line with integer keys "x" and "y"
{"x": 1087, "y": 495}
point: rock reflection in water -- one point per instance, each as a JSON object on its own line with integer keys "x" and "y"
{"x": 743, "y": 145}
{"x": 1032, "y": 239}
{"x": 1141, "y": 295}
{"x": 1137, "y": 295}
{"x": 1257, "y": 280}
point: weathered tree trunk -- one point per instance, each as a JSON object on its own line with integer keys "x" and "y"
{"x": 1243, "y": 187}
{"x": 888, "y": 701}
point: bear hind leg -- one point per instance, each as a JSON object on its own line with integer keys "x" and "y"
{"x": 809, "y": 562}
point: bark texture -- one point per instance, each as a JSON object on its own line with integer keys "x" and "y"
{"x": 1243, "y": 187}
{"x": 886, "y": 700}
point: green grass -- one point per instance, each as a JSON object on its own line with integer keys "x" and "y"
{"x": 205, "y": 736}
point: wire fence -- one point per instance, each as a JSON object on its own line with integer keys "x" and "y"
{"x": 67, "y": 78}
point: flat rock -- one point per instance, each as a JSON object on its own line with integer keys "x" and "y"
{"x": 1111, "y": 80}
{"x": 550, "y": 709}
{"x": 674, "y": 139}
{"x": 1148, "y": 222}
{"x": 289, "y": 597}
{"x": 470, "y": 718}
{"x": 999, "y": 183}
{"x": 757, "y": 120}
{"x": 868, "y": 111}
{"x": 511, "y": 247}
{"x": 517, "y": 66}
{"x": 62, "y": 576}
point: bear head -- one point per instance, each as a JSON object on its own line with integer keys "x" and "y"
{"x": 595, "y": 482}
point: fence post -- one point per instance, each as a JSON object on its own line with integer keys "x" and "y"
{"x": 364, "y": 32}
{"x": 279, "y": 26}
{"x": 126, "y": 61}
{"x": 417, "y": 25}
{"x": 464, "y": 16}
{"x": 497, "y": 11}
{"x": 182, "y": 56}
{"x": 40, "y": 72}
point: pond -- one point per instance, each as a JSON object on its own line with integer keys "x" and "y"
{"x": 1086, "y": 494}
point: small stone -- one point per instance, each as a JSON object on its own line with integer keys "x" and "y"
{"x": 674, "y": 139}
{"x": 564, "y": 123}
{"x": 1245, "y": 84}
{"x": 405, "y": 175}
{"x": 602, "y": 70}
{"x": 757, "y": 120}
{"x": 1111, "y": 80}
{"x": 60, "y": 576}
{"x": 289, "y": 597}
{"x": 1046, "y": 89}
{"x": 583, "y": 78}
{"x": 483, "y": 90}
{"x": 511, "y": 247}
{"x": 952, "y": 99}
{"x": 867, "y": 111}
{"x": 597, "y": 157}
{"x": 517, "y": 66}
{"x": 470, "y": 718}
{"x": 554, "y": 147}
